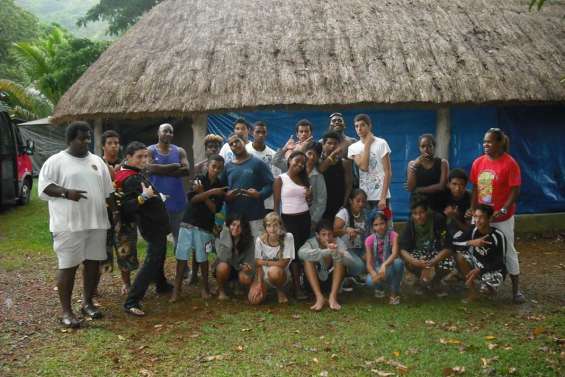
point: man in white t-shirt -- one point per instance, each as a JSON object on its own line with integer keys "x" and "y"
{"x": 240, "y": 128}
{"x": 372, "y": 155}
{"x": 77, "y": 183}
{"x": 259, "y": 149}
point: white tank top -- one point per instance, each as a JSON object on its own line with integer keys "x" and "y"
{"x": 293, "y": 196}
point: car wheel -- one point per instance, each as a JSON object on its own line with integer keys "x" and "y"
{"x": 25, "y": 193}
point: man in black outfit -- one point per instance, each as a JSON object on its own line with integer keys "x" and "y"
{"x": 142, "y": 204}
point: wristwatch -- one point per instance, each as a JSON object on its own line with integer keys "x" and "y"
{"x": 504, "y": 211}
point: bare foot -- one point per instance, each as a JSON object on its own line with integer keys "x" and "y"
{"x": 334, "y": 305}
{"x": 125, "y": 289}
{"x": 318, "y": 305}
{"x": 205, "y": 293}
{"x": 282, "y": 297}
{"x": 222, "y": 295}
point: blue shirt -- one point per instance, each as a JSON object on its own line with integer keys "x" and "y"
{"x": 170, "y": 186}
{"x": 252, "y": 173}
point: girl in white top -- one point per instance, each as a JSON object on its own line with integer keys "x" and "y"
{"x": 274, "y": 250}
{"x": 292, "y": 195}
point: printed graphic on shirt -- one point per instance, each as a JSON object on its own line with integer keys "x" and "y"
{"x": 485, "y": 186}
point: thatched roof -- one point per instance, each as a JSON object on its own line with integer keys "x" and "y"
{"x": 189, "y": 56}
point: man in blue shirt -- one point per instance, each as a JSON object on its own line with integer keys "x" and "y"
{"x": 249, "y": 182}
{"x": 168, "y": 163}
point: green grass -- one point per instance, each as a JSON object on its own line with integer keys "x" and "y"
{"x": 237, "y": 340}
{"x": 194, "y": 337}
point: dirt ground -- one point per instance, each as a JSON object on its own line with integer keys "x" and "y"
{"x": 29, "y": 306}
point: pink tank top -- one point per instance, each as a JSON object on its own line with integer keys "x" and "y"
{"x": 293, "y": 196}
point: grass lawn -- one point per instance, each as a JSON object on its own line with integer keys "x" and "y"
{"x": 421, "y": 337}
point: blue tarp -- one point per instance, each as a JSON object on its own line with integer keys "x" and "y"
{"x": 535, "y": 134}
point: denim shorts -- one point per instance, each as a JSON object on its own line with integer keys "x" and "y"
{"x": 194, "y": 238}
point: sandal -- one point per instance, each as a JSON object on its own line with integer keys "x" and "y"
{"x": 70, "y": 322}
{"x": 91, "y": 311}
{"x": 135, "y": 311}
{"x": 519, "y": 298}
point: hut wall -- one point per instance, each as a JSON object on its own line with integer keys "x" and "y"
{"x": 536, "y": 134}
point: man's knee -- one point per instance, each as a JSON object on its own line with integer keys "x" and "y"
{"x": 245, "y": 279}
{"x": 222, "y": 271}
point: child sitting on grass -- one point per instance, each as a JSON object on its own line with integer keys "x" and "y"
{"x": 274, "y": 250}
{"x": 480, "y": 254}
{"x": 384, "y": 264}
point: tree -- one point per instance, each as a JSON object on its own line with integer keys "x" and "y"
{"x": 16, "y": 25}
{"x": 55, "y": 61}
{"x": 120, "y": 14}
{"x": 23, "y": 103}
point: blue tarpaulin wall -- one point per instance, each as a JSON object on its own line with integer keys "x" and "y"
{"x": 535, "y": 134}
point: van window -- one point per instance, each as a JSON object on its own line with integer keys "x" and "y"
{"x": 7, "y": 145}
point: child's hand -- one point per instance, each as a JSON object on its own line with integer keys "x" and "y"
{"x": 375, "y": 277}
{"x": 351, "y": 232}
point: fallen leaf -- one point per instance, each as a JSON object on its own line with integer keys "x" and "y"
{"x": 453, "y": 371}
{"x": 213, "y": 358}
{"x": 324, "y": 373}
{"x": 537, "y": 331}
{"x": 450, "y": 341}
{"x": 141, "y": 348}
{"x": 315, "y": 360}
{"x": 296, "y": 316}
{"x": 195, "y": 335}
{"x": 145, "y": 373}
{"x": 239, "y": 348}
{"x": 396, "y": 353}
{"x": 490, "y": 337}
{"x": 245, "y": 330}
{"x": 430, "y": 322}
{"x": 485, "y": 362}
{"x": 492, "y": 346}
{"x": 158, "y": 326}
{"x": 333, "y": 356}
{"x": 381, "y": 373}
{"x": 121, "y": 337}
{"x": 512, "y": 370}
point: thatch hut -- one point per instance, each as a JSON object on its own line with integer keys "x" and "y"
{"x": 190, "y": 58}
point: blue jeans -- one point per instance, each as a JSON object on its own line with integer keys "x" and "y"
{"x": 393, "y": 276}
{"x": 354, "y": 265}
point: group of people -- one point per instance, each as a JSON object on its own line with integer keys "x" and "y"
{"x": 312, "y": 218}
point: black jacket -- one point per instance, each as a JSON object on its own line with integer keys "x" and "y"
{"x": 151, "y": 216}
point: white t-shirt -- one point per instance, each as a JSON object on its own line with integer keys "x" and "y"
{"x": 227, "y": 154}
{"x": 371, "y": 181}
{"x": 357, "y": 223}
{"x": 266, "y": 156}
{"x": 89, "y": 174}
{"x": 266, "y": 252}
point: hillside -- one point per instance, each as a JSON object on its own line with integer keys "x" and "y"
{"x": 66, "y": 13}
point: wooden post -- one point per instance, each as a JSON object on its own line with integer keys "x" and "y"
{"x": 199, "y": 131}
{"x": 443, "y": 132}
{"x": 98, "y": 129}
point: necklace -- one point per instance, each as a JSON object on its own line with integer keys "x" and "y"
{"x": 357, "y": 217}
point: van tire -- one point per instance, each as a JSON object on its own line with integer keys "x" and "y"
{"x": 25, "y": 192}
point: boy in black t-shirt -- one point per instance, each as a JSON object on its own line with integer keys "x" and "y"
{"x": 458, "y": 202}
{"x": 196, "y": 235}
{"x": 480, "y": 254}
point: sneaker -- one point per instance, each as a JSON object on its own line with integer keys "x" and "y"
{"x": 379, "y": 293}
{"x": 358, "y": 280}
{"x": 394, "y": 300}
{"x": 440, "y": 293}
{"x": 347, "y": 285}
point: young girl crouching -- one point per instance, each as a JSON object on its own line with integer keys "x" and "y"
{"x": 384, "y": 265}
{"x": 274, "y": 250}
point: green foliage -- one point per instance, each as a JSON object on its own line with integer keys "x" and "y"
{"x": 536, "y": 3}
{"x": 66, "y": 13}
{"x": 120, "y": 14}
{"x": 23, "y": 103}
{"x": 16, "y": 25}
